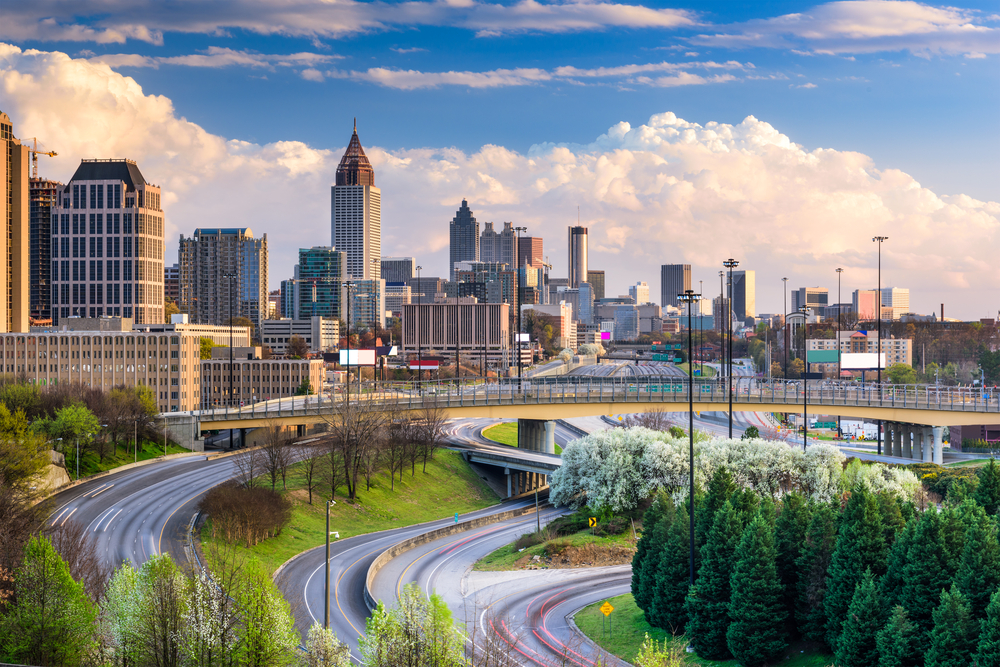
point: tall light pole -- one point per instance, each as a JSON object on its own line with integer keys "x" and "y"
{"x": 517, "y": 299}
{"x": 347, "y": 375}
{"x": 730, "y": 264}
{"x": 878, "y": 343}
{"x": 784, "y": 325}
{"x": 722, "y": 319}
{"x": 689, "y": 298}
{"x": 839, "y": 327}
{"x": 231, "y": 278}
{"x": 805, "y": 379}
{"x": 420, "y": 294}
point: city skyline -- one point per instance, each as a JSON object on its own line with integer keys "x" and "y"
{"x": 673, "y": 179}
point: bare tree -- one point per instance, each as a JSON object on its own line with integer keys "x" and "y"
{"x": 79, "y": 550}
{"x": 312, "y": 469}
{"x": 330, "y": 467}
{"x": 432, "y": 424}
{"x": 277, "y": 454}
{"x": 249, "y": 466}
{"x": 656, "y": 420}
{"x": 355, "y": 426}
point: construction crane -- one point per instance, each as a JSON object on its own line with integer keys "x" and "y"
{"x": 34, "y": 156}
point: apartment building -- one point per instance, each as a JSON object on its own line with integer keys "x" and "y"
{"x": 896, "y": 350}
{"x": 44, "y": 194}
{"x": 15, "y": 222}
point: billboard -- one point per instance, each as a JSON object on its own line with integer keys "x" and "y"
{"x": 357, "y": 357}
{"x": 523, "y": 338}
{"x": 424, "y": 365}
{"x": 605, "y": 335}
{"x": 861, "y": 361}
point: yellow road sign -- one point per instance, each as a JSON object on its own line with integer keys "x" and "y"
{"x": 606, "y": 608}
{"x": 593, "y": 521}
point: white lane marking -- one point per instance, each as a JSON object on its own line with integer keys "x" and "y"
{"x": 99, "y": 518}
{"x": 56, "y": 520}
{"x": 68, "y": 516}
{"x": 112, "y": 519}
{"x": 101, "y": 491}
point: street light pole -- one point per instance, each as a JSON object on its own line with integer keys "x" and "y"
{"x": 689, "y": 298}
{"x": 805, "y": 380}
{"x": 326, "y": 586}
{"x": 347, "y": 375}
{"x": 839, "y": 327}
{"x": 784, "y": 325}
{"x": 878, "y": 342}
{"x": 517, "y": 298}
{"x": 230, "y": 277}
{"x": 420, "y": 294}
{"x": 730, "y": 264}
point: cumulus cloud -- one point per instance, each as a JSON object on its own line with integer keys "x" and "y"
{"x": 667, "y": 190}
{"x": 866, "y": 26}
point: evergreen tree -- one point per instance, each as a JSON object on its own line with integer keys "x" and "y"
{"x": 896, "y": 641}
{"x": 979, "y": 571}
{"x": 891, "y": 586}
{"x": 707, "y": 604}
{"x": 925, "y": 575}
{"x": 673, "y": 578}
{"x": 756, "y": 634}
{"x": 860, "y": 547}
{"x": 720, "y": 488}
{"x": 745, "y": 502}
{"x": 661, "y": 506}
{"x": 789, "y": 535}
{"x": 953, "y": 639}
{"x": 857, "y": 647}
{"x": 812, "y": 563}
{"x": 892, "y": 517}
{"x": 988, "y": 651}
{"x": 955, "y": 523}
{"x": 988, "y": 492}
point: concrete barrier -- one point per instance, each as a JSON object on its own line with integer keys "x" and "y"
{"x": 424, "y": 538}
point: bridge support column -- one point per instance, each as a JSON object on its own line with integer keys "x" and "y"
{"x": 506, "y": 471}
{"x": 938, "y": 432}
{"x": 905, "y": 433}
{"x": 897, "y": 443}
{"x": 925, "y": 438}
{"x": 536, "y": 435}
{"x": 888, "y": 432}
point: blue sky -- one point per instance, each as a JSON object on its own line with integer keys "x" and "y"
{"x": 909, "y": 86}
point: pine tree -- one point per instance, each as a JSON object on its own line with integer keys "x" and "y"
{"x": 865, "y": 616}
{"x": 720, "y": 488}
{"x": 860, "y": 547}
{"x": 746, "y": 503}
{"x": 955, "y": 523}
{"x": 662, "y": 506}
{"x": 988, "y": 651}
{"x": 707, "y": 604}
{"x": 925, "y": 575}
{"x": 812, "y": 563}
{"x": 789, "y": 535}
{"x": 892, "y": 517}
{"x": 979, "y": 571}
{"x": 988, "y": 492}
{"x": 896, "y": 641}
{"x": 672, "y": 578}
{"x": 953, "y": 639}
{"x": 756, "y": 634}
{"x": 891, "y": 586}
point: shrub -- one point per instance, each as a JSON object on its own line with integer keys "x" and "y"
{"x": 245, "y": 515}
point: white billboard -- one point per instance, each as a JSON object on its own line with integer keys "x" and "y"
{"x": 357, "y": 357}
{"x": 862, "y": 361}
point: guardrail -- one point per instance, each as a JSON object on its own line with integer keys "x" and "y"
{"x": 588, "y": 389}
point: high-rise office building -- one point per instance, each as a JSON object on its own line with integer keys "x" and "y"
{"x": 639, "y": 292}
{"x": 172, "y": 283}
{"x": 109, "y": 245}
{"x": 814, "y": 298}
{"x": 498, "y": 247}
{"x": 367, "y": 303}
{"x": 397, "y": 269}
{"x": 596, "y": 280}
{"x": 464, "y": 238}
{"x": 530, "y": 252}
{"x": 356, "y": 211}
{"x": 223, "y": 274}
{"x": 319, "y": 275}
{"x": 43, "y": 199}
{"x": 14, "y": 208}
{"x": 744, "y": 295}
{"x": 896, "y": 298}
{"x": 674, "y": 279}
{"x": 577, "y": 256}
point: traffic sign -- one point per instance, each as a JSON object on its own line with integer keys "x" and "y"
{"x": 593, "y": 521}
{"x": 606, "y": 608}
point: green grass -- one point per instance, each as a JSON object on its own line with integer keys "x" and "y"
{"x": 706, "y": 371}
{"x": 505, "y": 433}
{"x": 123, "y": 455}
{"x": 628, "y": 628}
{"x": 503, "y": 559}
{"x": 448, "y": 486}
{"x": 974, "y": 463}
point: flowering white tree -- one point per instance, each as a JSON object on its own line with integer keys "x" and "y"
{"x": 208, "y": 632}
{"x": 323, "y": 649}
{"x": 879, "y": 478}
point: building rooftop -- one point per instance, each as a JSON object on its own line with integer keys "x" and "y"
{"x": 109, "y": 170}
{"x": 224, "y": 231}
{"x": 354, "y": 168}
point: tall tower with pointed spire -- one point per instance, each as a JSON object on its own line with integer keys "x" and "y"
{"x": 464, "y": 236}
{"x": 356, "y": 213}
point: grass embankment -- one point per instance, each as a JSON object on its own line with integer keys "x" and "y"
{"x": 90, "y": 463}
{"x": 706, "y": 371}
{"x": 448, "y": 486}
{"x": 507, "y": 557}
{"x": 625, "y": 629}
{"x": 505, "y": 433}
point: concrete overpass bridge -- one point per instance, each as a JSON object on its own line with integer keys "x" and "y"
{"x": 915, "y": 413}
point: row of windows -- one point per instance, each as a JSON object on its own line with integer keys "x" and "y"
{"x": 76, "y": 294}
{"x": 97, "y": 191}
{"x": 151, "y": 225}
{"x": 31, "y": 341}
{"x": 61, "y": 270}
{"x": 126, "y": 311}
{"x": 94, "y": 368}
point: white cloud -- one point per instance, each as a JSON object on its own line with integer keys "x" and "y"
{"x": 667, "y": 190}
{"x": 216, "y": 56}
{"x": 415, "y": 49}
{"x": 866, "y": 26}
{"x": 311, "y": 74}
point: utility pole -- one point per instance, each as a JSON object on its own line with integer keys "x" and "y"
{"x": 730, "y": 264}
{"x": 878, "y": 342}
{"x": 689, "y": 298}
{"x": 231, "y": 278}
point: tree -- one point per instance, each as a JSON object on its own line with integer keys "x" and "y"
{"x": 707, "y": 603}
{"x": 812, "y": 563}
{"x": 857, "y": 646}
{"x": 720, "y": 489}
{"x": 891, "y": 587}
{"x": 979, "y": 571}
{"x": 988, "y": 492}
{"x": 23, "y": 454}
{"x": 756, "y": 634}
{"x": 297, "y": 348}
{"x": 672, "y": 577}
{"x": 267, "y": 634}
{"x": 312, "y": 468}
{"x": 417, "y": 632}
{"x": 795, "y": 368}
{"x": 988, "y": 650}
{"x": 644, "y": 581}
{"x": 776, "y": 371}
{"x": 277, "y": 453}
{"x": 74, "y": 423}
{"x": 953, "y": 639}
{"x": 51, "y": 619}
{"x": 169, "y": 310}
{"x": 305, "y": 389}
{"x": 895, "y": 642}
{"x": 789, "y": 534}
{"x": 323, "y": 649}
{"x": 161, "y": 609}
{"x": 207, "y": 634}
{"x": 641, "y": 590}
{"x": 925, "y": 574}
{"x": 752, "y": 433}
{"x": 901, "y": 374}
{"x": 205, "y": 350}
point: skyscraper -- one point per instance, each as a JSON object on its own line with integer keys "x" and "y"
{"x": 15, "y": 211}
{"x": 356, "y": 212}
{"x": 815, "y": 298}
{"x": 464, "y": 239}
{"x": 121, "y": 237}
{"x": 499, "y": 247}
{"x": 319, "y": 274}
{"x": 207, "y": 294}
{"x": 529, "y": 252}
{"x": 674, "y": 279}
{"x": 639, "y": 292}
{"x": 596, "y": 280}
{"x": 577, "y": 256}
{"x": 397, "y": 269}
{"x": 43, "y": 200}
{"x": 744, "y": 295}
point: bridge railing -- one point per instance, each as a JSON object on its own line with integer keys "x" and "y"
{"x": 590, "y": 389}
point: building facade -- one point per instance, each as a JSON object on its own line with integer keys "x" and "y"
{"x": 14, "y": 246}
{"x": 897, "y": 299}
{"x": 356, "y": 212}
{"x": 639, "y": 292}
{"x": 560, "y": 317}
{"x": 223, "y": 274}
{"x": 596, "y": 280}
{"x": 397, "y": 269}
{"x": 577, "y": 241}
{"x": 530, "y": 252}
{"x": 172, "y": 283}
{"x": 674, "y": 279}
{"x": 744, "y": 295}
{"x": 255, "y": 379}
{"x": 896, "y": 350}
{"x": 318, "y": 285}
{"x": 322, "y": 334}
{"x": 109, "y": 244}
{"x": 813, "y": 298}
{"x": 498, "y": 247}
{"x": 463, "y": 234}
{"x": 221, "y": 336}
{"x": 397, "y": 295}
{"x": 44, "y": 194}
{"x": 475, "y": 328}
{"x": 367, "y": 303}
